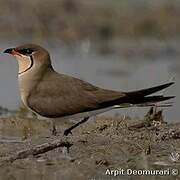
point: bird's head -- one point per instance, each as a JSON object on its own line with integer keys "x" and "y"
{"x": 30, "y": 56}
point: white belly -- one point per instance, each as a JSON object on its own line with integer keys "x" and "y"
{"x": 85, "y": 114}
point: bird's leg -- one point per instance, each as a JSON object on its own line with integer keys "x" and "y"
{"x": 68, "y": 131}
{"x": 53, "y": 130}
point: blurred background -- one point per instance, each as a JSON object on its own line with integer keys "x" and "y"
{"x": 120, "y": 45}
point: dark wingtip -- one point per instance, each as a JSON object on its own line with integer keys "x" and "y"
{"x": 167, "y": 84}
{"x": 169, "y": 97}
{"x": 171, "y": 83}
{"x": 148, "y": 91}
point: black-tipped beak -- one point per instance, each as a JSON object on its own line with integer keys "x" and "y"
{"x": 9, "y": 51}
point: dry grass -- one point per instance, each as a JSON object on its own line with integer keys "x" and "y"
{"x": 99, "y": 144}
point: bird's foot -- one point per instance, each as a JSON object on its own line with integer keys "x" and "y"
{"x": 67, "y": 132}
{"x": 54, "y": 131}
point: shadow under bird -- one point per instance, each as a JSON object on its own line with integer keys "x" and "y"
{"x": 54, "y": 95}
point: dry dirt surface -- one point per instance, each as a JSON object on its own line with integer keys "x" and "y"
{"x": 103, "y": 148}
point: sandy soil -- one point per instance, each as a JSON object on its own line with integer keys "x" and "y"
{"x": 103, "y": 148}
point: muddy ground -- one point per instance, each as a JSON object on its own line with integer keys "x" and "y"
{"x": 103, "y": 148}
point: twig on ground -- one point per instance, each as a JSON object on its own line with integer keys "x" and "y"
{"x": 153, "y": 118}
{"x": 39, "y": 149}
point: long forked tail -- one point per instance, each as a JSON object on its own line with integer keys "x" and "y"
{"x": 148, "y": 91}
{"x": 141, "y": 98}
{"x": 150, "y": 99}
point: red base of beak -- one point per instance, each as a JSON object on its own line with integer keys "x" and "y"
{"x": 11, "y": 51}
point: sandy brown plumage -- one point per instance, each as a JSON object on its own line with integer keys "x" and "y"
{"x": 55, "y": 95}
{"x": 58, "y": 95}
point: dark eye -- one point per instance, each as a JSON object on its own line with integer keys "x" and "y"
{"x": 26, "y": 51}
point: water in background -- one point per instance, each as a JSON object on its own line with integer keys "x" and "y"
{"x": 130, "y": 68}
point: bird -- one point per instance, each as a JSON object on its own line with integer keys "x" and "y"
{"x": 59, "y": 96}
